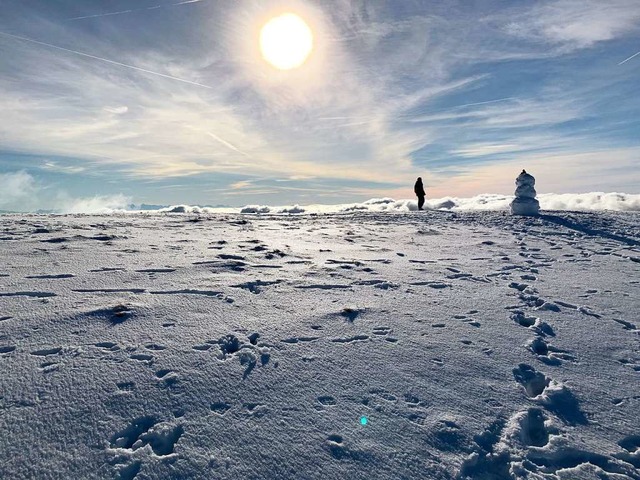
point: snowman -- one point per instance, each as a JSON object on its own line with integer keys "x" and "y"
{"x": 525, "y": 202}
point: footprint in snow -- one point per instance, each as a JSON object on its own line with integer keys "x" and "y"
{"x": 142, "y": 357}
{"x": 168, "y": 377}
{"x": 533, "y": 323}
{"x": 220, "y": 408}
{"x": 327, "y": 400}
{"x": 161, "y": 437}
{"x": 7, "y": 349}
{"x": 384, "y": 394}
{"x": 254, "y": 410}
{"x": 293, "y": 340}
{"x": 554, "y": 396}
{"x": 126, "y": 386}
{"x": 631, "y": 444}
{"x": 547, "y": 353}
{"x": 353, "y": 339}
{"x": 111, "y": 346}
{"x": 382, "y": 331}
{"x": 534, "y": 382}
{"x": 626, "y": 325}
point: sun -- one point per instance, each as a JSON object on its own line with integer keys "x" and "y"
{"x": 286, "y": 41}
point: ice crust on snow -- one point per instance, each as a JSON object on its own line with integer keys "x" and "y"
{"x": 478, "y": 345}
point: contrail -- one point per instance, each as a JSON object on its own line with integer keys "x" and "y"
{"x": 122, "y": 12}
{"x": 632, "y": 56}
{"x": 106, "y": 14}
{"x": 106, "y": 60}
{"x": 226, "y": 144}
{"x": 482, "y": 103}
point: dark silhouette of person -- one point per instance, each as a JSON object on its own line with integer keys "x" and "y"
{"x": 418, "y": 188}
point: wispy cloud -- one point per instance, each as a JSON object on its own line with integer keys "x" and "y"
{"x": 122, "y": 109}
{"x": 480, "y": 150}
{"x": 55, "y": 167}
{"x": 101, "y": 59}
{"x": 575, "y": 24}
{"x": 241, "y": 185}
{"x": 16, "y": 189}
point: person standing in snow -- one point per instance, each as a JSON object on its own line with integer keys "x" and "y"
{"x": 418, "y": 188}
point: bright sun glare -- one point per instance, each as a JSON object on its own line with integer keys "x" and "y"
{"x": 286, "y": 41}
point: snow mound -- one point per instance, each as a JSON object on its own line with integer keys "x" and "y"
{"x": 294, "y": 209}
{"x": 256, "y": 209}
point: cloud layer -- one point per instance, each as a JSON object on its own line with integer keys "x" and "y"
{"x": 21, "y": 192}
{"x": 595, "y": 201}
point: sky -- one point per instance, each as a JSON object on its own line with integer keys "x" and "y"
{"x": 171, "y": 102}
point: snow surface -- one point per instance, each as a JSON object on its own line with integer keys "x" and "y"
{"x": 477, "y": 346}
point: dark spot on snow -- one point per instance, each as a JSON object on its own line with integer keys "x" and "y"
{"x": 47, "y": 351}
{"x": 143, "y": 357}
{"x": 264, "y": 358}
{"x": 229, "y": 344}
{"x": 29, "y": 294}
{"x": 55, "y": 240}
{"x": 62, "y": 275}
{"x": 225, "y": 256}
{"x": 350, "y": 313}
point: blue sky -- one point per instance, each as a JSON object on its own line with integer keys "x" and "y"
{"x": 166, "y": 102}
